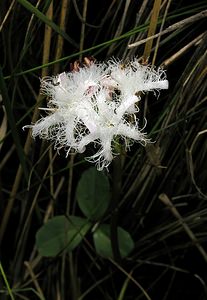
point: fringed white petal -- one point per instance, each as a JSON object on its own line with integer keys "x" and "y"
{"x": 96, "y": 105}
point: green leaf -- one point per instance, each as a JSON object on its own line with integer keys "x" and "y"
{"x": 102, "y": 241}
{"x": 61, "y": 233}
{"x": 93, "y": 194}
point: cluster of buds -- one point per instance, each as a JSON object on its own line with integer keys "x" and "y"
{"x": 97, "y": 103}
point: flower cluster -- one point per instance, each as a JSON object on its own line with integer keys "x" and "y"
{"x": 97, "y": 104}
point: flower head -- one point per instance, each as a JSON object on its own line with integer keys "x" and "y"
{"x": 97, "y": 104}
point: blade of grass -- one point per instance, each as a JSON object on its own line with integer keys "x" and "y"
{"x": 165, "y": 199}
{"x": 47, "y": 21}
{"x": 120, "y": 25}
{"x": 12, "y": 123}
{"x": 124, "y": 287}
{"x": 6, "y": 282}
{"x": 132, "y": 279}
{"x": 7, "y": 15}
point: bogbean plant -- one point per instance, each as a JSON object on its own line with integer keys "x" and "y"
{"x": 64, "y": 233}
{"x": 96, "y": 103}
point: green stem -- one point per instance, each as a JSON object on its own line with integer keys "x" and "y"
{"x": 6, "y": 282}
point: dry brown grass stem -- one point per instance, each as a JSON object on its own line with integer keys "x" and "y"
{"x": 161, "y": 29}
{"x": 47, "y": 40}
{"x": 152, "y": 29}
{"x": 191, "y": 162}
{"x": 60, "y": 40}
{"x": 83, "y": 27}
{"x": 179, "y": 53}
{"x": 49, "y": 210}
{"x": 7, "y": 15}
{"x": 173, "y": 27}
{"x": 6, "y": 157}
{"x": 165, "y": 199}
{"x": 132, "y": 279}
{"x": 34, "y": 279}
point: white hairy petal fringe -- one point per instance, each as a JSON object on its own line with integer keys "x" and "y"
{"x": 45, "y": 126}
{"x": 134, "y": 77}
{"x": 97, "y": 104}
{"x": 103, "y": 157}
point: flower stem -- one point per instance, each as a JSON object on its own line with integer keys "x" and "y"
{"x": 116, "y": 189}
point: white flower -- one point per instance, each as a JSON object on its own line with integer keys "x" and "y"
{"x": 134, "y": 78}
{"x": 105, "y": 122}
{"x": 97, "y": 104}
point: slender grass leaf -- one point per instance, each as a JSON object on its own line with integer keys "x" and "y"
{"x": 102, "y": 241}
{"x": 93, "y": 194}
{"x": 12, "y": 123}
{"x": 9, "y": 290}
{"x": 47, "y": 21}
{"x": 88, "y": 50}
{"x": 61, "y": 233}
{"x": 123, "y": 289}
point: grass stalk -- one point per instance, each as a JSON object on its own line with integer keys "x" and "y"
{"x": 152, "y": 29}
{"x": 34, "y": 280}
{"x": 173, "y": 27}
{"x": 161, "y": 29}
{"x": 7, "y": 15}
{"x": 83, "y": 26}
{"x": 132, "y": 279}
{"x": 60, "y": 39}
{"x": 165, "y": 199}
{"x": 47, "y": 21}
{"x": 6, "y": 282}
{"x": 124, "y": 287}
